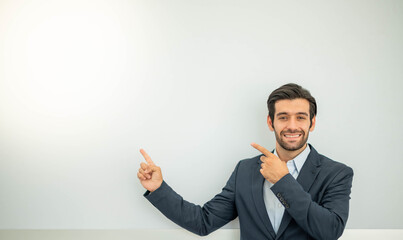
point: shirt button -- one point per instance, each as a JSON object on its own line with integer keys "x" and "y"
{"x": 279, "y": 205}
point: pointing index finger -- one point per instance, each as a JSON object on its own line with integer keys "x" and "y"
{"x": 261, "y": 149}
{"x": 146, "y": 157}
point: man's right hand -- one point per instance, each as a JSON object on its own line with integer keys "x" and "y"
{"x": 149, "y": 174}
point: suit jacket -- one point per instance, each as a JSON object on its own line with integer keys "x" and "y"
{"x": 316, "y": 203}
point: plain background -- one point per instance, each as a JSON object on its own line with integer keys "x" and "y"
{"x": 85, "y": 84}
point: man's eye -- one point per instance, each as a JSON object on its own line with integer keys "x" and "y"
{"x": 301, "y": 118}
{"x": 282, "y": 118}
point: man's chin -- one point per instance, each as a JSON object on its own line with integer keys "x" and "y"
{"x": 293, "y": 147}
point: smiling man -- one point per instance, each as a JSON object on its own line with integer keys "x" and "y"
{"x": 291, "y": 193}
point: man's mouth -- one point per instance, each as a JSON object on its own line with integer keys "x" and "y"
{"x": 292, "y": 135}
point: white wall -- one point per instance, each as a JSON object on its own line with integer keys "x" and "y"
{"x": 85, "y": 84}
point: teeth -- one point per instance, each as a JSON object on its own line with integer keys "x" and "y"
{"x": 292, "y": 136}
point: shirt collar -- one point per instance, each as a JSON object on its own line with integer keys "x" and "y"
{"x": 300, "y": 159}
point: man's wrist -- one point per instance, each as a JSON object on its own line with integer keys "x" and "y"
{"x": 150, "y": 191}
{"x": 280, "y": 177}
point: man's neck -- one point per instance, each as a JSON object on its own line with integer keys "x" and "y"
{"x": 286, "y": 155}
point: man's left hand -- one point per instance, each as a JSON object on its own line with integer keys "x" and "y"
{"x": 272, "y": 168}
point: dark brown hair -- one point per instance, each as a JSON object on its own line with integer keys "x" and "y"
{"x": 291, "y": 91}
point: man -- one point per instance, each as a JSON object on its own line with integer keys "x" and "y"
{"x": 293, "y": 193}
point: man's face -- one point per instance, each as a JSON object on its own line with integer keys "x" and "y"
{"x": 291, "y": 123}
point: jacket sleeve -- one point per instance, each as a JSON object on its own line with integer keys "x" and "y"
{"x": 200, "y": 220}
{"x": 323, "y": 220}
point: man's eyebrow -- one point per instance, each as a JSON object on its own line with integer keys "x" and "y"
{"x": 303, "y": 113}
{"x": 281, "y": 113}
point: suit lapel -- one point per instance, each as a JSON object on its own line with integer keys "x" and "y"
{"x": 305, "y": 178}
{"x": 309, "y": 170}
{"x": 257, "y": 193}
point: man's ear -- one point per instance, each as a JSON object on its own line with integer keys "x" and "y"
{"x": 270, "y": 123}
{"x": 313, "y": 122}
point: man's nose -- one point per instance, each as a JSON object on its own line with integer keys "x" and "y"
{"x": 292, "y": 123}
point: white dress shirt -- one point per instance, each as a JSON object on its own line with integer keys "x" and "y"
{"x": 274, "y": 208}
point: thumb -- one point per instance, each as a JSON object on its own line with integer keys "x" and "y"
{"x": 155, "y": 169}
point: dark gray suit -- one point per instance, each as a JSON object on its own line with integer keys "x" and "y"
{"x": 316, "y": 204}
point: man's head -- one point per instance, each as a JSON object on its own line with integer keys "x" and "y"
{"x": 292, "y": 112}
